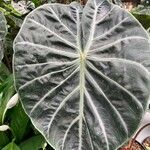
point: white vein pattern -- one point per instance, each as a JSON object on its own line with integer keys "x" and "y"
{"x": 67, "y": 131}
{"x": 62, "y": 23}
{"x": 51, "y": 50}
{"x": 60, "y": 106}
{"x": 101, "y": 124}
{"x": 56, "y": 63}
{"x": 45, "y": 75}
{"x": 118, "y": 85}
{"x": 106, "y": 15}
{"x": 48, "y": 93}
{"x": 81, "y": 102}
{"x": 115, "y": 42}
{"x": 64, "y": 40}
{"x": 92, "y": 146}
{"x": 112, "y": 29}
{"x": 81, "y": 80}
{"x": 93, "y": 24}
{"x": 78, "y": 38}
{"x": 92, "y": 80}
{"x": 123, "y": 60}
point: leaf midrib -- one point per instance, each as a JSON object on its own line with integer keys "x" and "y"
{"x": 82, "y": 91}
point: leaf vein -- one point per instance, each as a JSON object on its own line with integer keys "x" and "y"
{"x": 108, "y": 100}
{"x": 118, "y": 85}
{"x": 67, "y": 131}
{"x": 62, "y": 22}
{"x": 112, "y": 29}
{"x": 48, "y": 93}
{"x": 60, "y": 106}
{"x": 115, "y": 42}
{"x": 53, "y": 50}
{"x": 45, "y": 75}
{"x": 102, "y": 126}
{"x": 64, "y": 40}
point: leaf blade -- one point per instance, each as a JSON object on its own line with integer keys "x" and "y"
{"x": 102, "y": 60}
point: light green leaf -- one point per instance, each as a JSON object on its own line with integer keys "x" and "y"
{"x": 82, "y": 74}
{"x": 11, "y": 146}
{"x": 6, "y": 91}
{"x": 34, "y": 143}
{"x": 19, "y": 123}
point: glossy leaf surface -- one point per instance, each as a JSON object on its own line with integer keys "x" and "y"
{"x": 82, "y": 74}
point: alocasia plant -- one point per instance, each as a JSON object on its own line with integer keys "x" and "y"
{"x": 82, "y": 74}
{"x": 3, "y": 29}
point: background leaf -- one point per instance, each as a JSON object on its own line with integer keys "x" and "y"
{"x": 143, "y": 19}
{"x": 4, "y": 72}
{"x": 33, "y": 143}
{"x": 11, "y": 146}
{"x": 19, "y": 123}
{"x": 6, "y": 86}
{"x": 3, "y": 139}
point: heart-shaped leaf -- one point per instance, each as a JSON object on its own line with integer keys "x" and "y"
{"x": 82, "y": 74}
{"x": 3, "y": 29}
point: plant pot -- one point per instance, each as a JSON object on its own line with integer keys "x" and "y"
{"x": 142, "y": 136}
{"x": 146, "y": 131}
{"x": 146, "y": 142}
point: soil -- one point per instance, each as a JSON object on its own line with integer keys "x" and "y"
{"x": 146, "y": 142}
{"x": 136, "y": 146}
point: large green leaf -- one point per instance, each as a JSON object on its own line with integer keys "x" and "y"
{"x": 3, "y": 29}
{"x": 19, "y": 123}
{"x": 6, "y": 92}
{"x": 82, "y": 74}
{"x": 11, "y": 146}
{"x": 34, "y": 143}
{"x": 3, "y": 139}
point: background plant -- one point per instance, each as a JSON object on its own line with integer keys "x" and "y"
{"x": 21, "y": 134}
